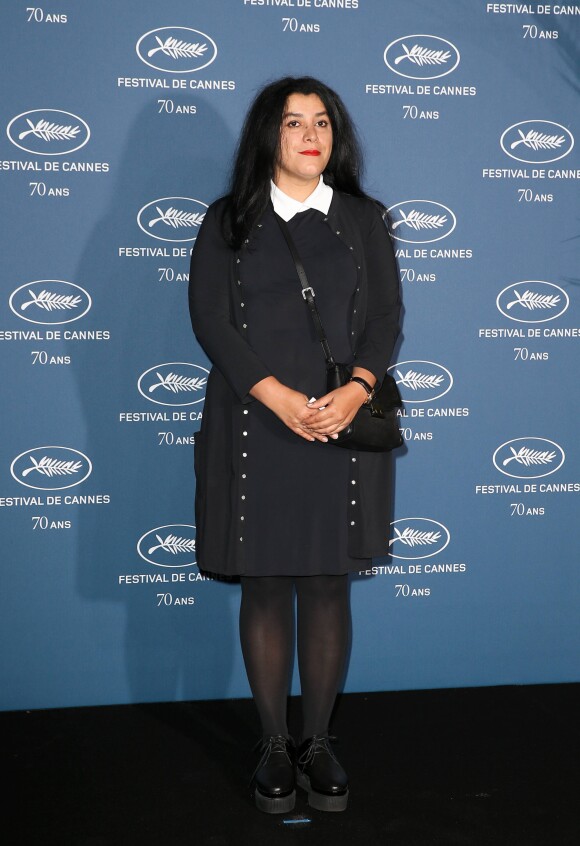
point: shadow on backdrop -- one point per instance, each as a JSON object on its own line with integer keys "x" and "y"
{"x": 169, "y": 652}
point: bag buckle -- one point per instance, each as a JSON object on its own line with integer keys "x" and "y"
{"x": 304, "y": 290}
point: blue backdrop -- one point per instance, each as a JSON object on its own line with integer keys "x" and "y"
{"x": 120, "y": 120}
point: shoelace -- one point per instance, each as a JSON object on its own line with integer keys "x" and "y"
{"x": 318, "y": 743}
{"x": 270, "y": 744}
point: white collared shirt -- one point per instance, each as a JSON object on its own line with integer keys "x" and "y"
{"x": 286, "y": 207}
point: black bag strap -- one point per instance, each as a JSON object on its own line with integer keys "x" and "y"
{"x": 307, "y": 292}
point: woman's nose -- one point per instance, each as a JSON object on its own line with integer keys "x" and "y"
{"x": 310, "y": 133}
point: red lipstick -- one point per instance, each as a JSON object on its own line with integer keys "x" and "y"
{"x": 310, "y": 152}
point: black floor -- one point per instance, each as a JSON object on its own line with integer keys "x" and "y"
{"x": 428, "y": 768}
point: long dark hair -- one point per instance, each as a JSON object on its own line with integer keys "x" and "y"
{"x": 258, "y": 153}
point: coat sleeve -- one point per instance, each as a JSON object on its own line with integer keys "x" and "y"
{"x": 381, "y": 327}
{"x": 210, "y": 310}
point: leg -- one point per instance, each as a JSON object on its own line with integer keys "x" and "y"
{"x": 323, "y": 638}
{"x": 266, "y": 635}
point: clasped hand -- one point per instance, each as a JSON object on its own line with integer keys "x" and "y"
{"x": 318, "y": 420}
{"x": 326, "y": 416}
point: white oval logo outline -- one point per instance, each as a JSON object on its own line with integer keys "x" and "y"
{"x": 157, "y": 563}
{"x": 53, "y": 322}
{"x": 533, "y": 438}
{"x": 187, "y": 29}
{"x": 522, "y": 141}
{"x": 41, "y": 449}
{"x": 530, "y": 302}
{"x": 419, "y": 35}
{"x": 39, "y": 153}
{"x": 416, "y": 241}
{"x": 162, "y": 200}
{"x": 161, "y": 384}
{"x": 429, "y": 555}
{"x": 423, "y": 361}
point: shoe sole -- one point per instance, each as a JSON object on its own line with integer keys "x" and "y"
{"x": 274, "y": 804}
{"x": 321, "y": 801}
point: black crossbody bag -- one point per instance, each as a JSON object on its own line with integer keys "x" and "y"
{"x": 375, "y": 427}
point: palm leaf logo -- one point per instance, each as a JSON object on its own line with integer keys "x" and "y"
{"x": 531, "y": 301}
{"x": 49, "y": 302}
{"x": 413, "y": 537}
{"x": 175, "y": 383}
{"x": 419, "y": 220}
{"x": 175, "y": 218}
{"x": 173, "y": 544}
{"x": 49, "y": 131}
{"x": 177, "y": 49}
{"x": 415, "y": 381}
{"x": 527, "y": 457}
{"x": 422, "y": 56}
{"x": 538, "y": 140}
{"x": 51, "y": 467}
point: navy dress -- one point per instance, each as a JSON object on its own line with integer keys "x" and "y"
{"x": 267, "y": 501}
{"x": 295, "y": 519}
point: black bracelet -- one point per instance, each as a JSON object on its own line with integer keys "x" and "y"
{"x": 363, "y": 382}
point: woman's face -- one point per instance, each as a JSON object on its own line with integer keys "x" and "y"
{"x": 305, "y": 142}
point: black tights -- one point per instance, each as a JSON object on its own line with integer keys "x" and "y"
{"x": 267, "y": 638}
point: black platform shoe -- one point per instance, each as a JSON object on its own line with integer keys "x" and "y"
{"x": 273, "y": 779}
{"x": 319, "y": 773}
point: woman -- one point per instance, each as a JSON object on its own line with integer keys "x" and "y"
{"x": 276, "y": 502}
